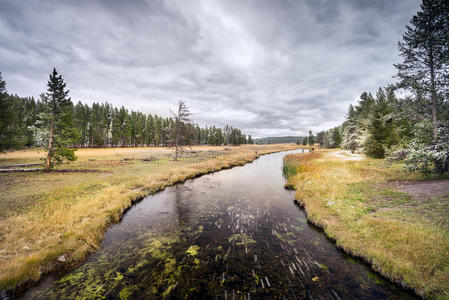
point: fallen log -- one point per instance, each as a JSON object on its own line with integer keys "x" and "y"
{"x": 57, "y": 170}
{"x": 19, "y": 165}
{"x": 76, "y": 171}
{"x": 20, "y": 170}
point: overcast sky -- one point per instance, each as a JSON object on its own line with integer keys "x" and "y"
{"x": 272, "y": 68}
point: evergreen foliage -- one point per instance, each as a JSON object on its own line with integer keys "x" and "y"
{"x": 24, "y": 123}
{"x": 311, "y": 139}
{"x": 331, "y": 138}
{"x": 56, "y": 120}
{"x": 415, "y": 128}
{"x": 425, "y": 66}
{"x": 6, "y": 116}
{"x": 278, "y": 140}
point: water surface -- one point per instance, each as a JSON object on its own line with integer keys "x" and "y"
{"x": 235, "y": 234}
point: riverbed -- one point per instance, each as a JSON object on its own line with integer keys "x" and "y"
{"x": 234, "y": 234}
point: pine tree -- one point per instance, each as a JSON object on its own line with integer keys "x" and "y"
{"x": 311, "y": 138}
{"x": 6, "y": 118}
{"x": 149, "y": 130}
{"x": 335, "y": 137}
{"x": 425, "y": 52}
{"x": 30, "y": 117}
{"x": 380, "y": 127}
{"x": 58, "y": 120}
{"x": 351, "y": 133}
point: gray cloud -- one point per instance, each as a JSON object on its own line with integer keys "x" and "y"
{"x": 269, "y": 67}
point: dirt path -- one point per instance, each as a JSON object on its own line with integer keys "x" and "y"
{"x": 346, "y": 155}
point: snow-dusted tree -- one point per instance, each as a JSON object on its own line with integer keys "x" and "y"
{"x": 424, "y": 156}
{"x": 351, "y": 132}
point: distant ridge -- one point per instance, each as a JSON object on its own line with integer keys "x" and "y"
{"x": 280, "y": 140}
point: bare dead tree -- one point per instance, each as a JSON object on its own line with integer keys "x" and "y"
{"x": 179, "y": 129}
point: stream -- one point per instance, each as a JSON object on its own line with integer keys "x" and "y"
{"x": 234, "y": 234}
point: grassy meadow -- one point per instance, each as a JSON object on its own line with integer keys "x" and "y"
{"x": 379, "y": 214}
{"x": 52, "y": 221}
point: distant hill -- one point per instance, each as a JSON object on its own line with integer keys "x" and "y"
{"x": 280, "y": 140}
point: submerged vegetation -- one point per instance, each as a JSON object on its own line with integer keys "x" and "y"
{"x": 364, "y": 206}
{"x": 54, "y": 220}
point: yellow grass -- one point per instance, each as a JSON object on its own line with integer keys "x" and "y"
{"x": 352, "y": 202}
{"x": 44, "y": 216}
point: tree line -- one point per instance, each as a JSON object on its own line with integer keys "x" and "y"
{"x": 415, "y": 126}
{"x": 98, "y": 125}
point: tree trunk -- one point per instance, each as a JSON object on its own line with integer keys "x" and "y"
{"x": 433, "y": 96}
{"x": 177, "y": 141}
{"x": 50, "y": 149}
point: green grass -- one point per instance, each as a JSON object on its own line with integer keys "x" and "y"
{"x": 403, "y": 237}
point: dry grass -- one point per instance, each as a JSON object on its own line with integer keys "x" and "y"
{"x": 350, "y": 201}
{"x": 44, "y": 216}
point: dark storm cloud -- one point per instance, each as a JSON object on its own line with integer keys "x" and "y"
{"x": 269, "y": 67}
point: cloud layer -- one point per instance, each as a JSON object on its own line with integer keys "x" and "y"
{"x": 268, "y": 67}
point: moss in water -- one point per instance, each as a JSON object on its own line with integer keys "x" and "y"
{"x": 193, "y": 250}
{"x": 280, "y": 237}
{"x": 379, "y": 280}
{"x": 161, "y": 258}
{"x": 71, "y": 278}
{"x": 323, "y": 266}
{"x": 350, "y": 258}
{"x": 138, "y": 266}
{"x": 83, "y": 283}
{"x": 373, "y": 277}
{"x": 199, "y": 230}
{"x": 193, "y": 293}
{"x": 241, "y": 239}
{"x": 159, "y": 247}
{"x": 94, "y": 291}
{"x": 256, "y": 279}
{"x": 127, "y": 292}
{"x": 299, "y": 228}
{"x": 168, "y": 291}
{"x": 302, "y": 220}
{"x": 118, "y": 277}
{"x": 170, "y": 265}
